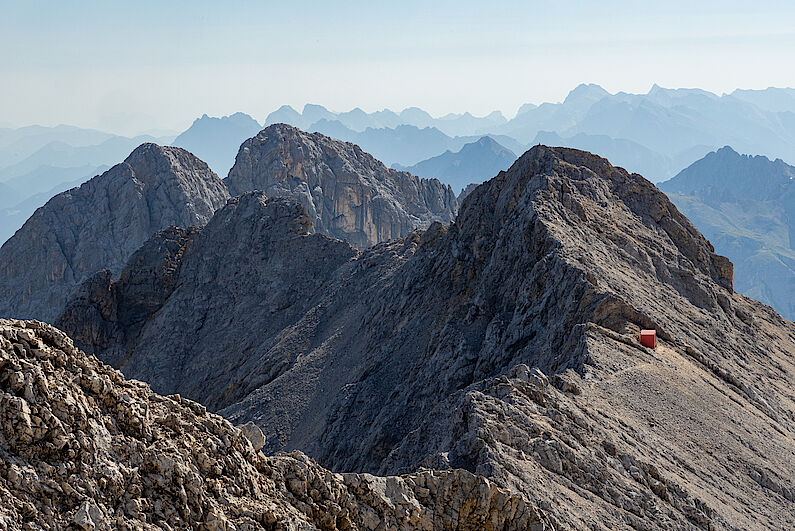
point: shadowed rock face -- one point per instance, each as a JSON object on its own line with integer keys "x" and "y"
{"x": 100, "y": 224}
{"x": 346, "y": 192}
{"x": 505, "y": 344}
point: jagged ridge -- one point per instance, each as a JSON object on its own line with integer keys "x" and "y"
{"x": 417, "y": 352}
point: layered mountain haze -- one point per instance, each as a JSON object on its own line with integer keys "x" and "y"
{"x": 17, "y": 144}
{"x": 746, "y": 206}
{"x": 451, "y": 124}
{"x": 216, "y": 140}
{"x": 404, "y": 144}
{"x": 346, "y": 192}
{"x": 40, "y": 186}
{"x": 504, "y": 344}
{"x": 771, "y": 99}
{"x": 625, "y": 153}
{"x": 472, "y": 164}
{"x": 657, "y": 134}
{"x": 100, "y": 224}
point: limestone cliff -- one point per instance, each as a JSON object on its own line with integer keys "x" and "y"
{"x": 346, "y": 193}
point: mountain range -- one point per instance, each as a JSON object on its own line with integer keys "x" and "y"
{"x": 428, "y": 363}
{"x": 357, "y": 120}
{"x": 495, "y": 344}
{"x": 469, "y": 165}
{"x": 345, "y": 191}
{"x": 656, "y": 134}
{"x": 745, "y": 205}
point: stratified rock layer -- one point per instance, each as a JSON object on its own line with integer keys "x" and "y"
{"x": 82, "y": 448}
{"x": 346, "y": 192}
{"x": 100, "y": 224}
{"x": 505, "y": 344}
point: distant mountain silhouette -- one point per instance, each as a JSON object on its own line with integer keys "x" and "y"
{"x": 769, "y": 99}
{"x": 746, "y": 207}
{"x": 404, "y": 145}
{"x": 16, "y": 144}
{"x": 215, "y": 140}
{"x": 626, "y": 153}
{"x": 357, "y": 120}
{"x": 59, "y": 154}
{"x": 680, "y": 124}
{"x": 656, "y": 134}
{"x": 474, "y": 163}
{"x": 14, "y": 214}
{"x": 45, "y": 178}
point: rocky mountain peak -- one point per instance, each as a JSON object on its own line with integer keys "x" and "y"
{"x": 597, "y": 183}
{"x": 346, "y": 192}
{"x": 100, "y": 224}
{"x": 166, "y": 166}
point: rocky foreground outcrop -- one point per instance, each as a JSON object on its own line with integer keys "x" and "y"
{"x": 504, "y": 344}
{"x": 346, "y": 192}
{"x": 100, "y": 224}
{"x": 83, "y": 448}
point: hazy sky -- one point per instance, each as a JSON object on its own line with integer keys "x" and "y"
{"x": 136, "y": 65}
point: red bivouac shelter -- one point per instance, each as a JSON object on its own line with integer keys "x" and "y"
{"x": 648, "y": 338}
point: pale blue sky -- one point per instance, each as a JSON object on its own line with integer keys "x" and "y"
{"x": 132, "y": 65}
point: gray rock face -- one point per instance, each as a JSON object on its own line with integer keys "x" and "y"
{"x": 100, "y": 224}
{"x": 254, "y": 262}
{"x": 505, "y": 344}
{"x": 346, "y": 192}
{"x": 113, "y": 313}
{"x": 82, "y": 448}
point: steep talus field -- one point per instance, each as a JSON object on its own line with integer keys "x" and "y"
{"x": 83, "y": 448}
{"x": 504, "y": 344}
{"x": 100, "y": 224}
{"x": 346, "y": 192}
